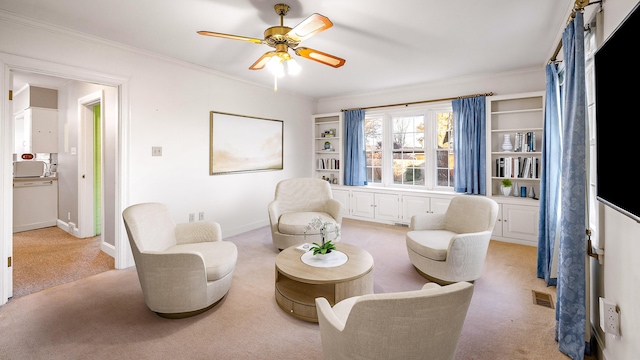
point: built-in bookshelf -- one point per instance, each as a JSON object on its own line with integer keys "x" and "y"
{"x": 519, "y": 118}
{"x": 328, "y": 147}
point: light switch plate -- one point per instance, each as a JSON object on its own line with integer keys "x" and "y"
{"x": 156, "y": 151}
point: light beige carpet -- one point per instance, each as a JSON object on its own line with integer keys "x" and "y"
{"x": 104, "y": 316}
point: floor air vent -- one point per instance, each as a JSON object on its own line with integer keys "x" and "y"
{"x": 542, "y": 299}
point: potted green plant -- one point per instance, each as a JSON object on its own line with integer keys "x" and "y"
{"x": 505, "y": 186}
{"x": 326, "y": 230}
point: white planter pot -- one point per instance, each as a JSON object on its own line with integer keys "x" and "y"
{"x": 505, "y": 190}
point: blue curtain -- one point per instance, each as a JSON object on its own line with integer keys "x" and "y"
{"x": 355, "y": 165}
{"x": 571, "y": 311}
{"x": 550, "y": 176}
{"x": 469, "y": 145}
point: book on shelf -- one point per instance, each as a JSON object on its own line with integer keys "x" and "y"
{"x": 518, "y": 167}
{"x": 518, "y": 142}
{"x": 531, "y": 141}
{"x": 525, "y": 142}
{"x": 328, "y": 164}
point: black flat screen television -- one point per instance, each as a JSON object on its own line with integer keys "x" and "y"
{"x": 617, "y": 98}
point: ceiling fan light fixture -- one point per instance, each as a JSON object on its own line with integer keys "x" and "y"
{"x": 275, "y": 66}
{"x": 293, "y": 68}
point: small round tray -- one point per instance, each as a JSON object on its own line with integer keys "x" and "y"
{"x": 334, "y": 258}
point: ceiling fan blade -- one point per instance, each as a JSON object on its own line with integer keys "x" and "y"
{"x": 262, "y": 61}
{"x": 320, "y": 57}
{"x": 232, "y": 37}
{"x": 309, "y": 26}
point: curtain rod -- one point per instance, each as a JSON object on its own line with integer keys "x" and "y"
{"x": 579, "y": 6}
{"x": 420, "y": 102}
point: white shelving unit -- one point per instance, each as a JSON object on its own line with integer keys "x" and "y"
{"x": 512, "y": 115}
{"x": 328, "y": 147}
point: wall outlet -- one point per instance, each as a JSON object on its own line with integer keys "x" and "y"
{"x": 201, "y": 216}
{"x": 609, "y": 317}
{"x": 192, "y": 217}
{"x": 156, "y": 151}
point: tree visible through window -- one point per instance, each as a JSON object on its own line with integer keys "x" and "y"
{"x": 444, "y": 149}
{"x": 408, "y": 150}
{"x": 373, "y": 148}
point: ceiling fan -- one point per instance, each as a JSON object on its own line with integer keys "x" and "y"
{"x": 283, "y": 38}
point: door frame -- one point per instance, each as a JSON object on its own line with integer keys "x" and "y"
{"x": 10, "y": 62}
{"x": 85, "y": 164}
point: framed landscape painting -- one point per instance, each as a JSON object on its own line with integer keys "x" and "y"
{"x": 241, "y": 143}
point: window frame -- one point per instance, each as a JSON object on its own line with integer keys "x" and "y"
{"x": 430, "y": 114}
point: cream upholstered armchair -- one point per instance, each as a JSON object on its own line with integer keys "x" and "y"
{"x": 422, "y": 324}
{"x": 184, "y": 269}
{"x": 452, "y": 247}
{"x": 298, "y": 201}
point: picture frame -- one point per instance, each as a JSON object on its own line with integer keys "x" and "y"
{"x": 240, "y": 144}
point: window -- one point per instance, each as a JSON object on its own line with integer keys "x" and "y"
{"x": 444, "y": 149}
{"x": 410, "y": 148}
{"x": 373, "y": 148}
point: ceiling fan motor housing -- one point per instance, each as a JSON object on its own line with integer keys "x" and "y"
{"x": 276, "y": 35}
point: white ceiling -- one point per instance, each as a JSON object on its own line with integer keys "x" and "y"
{"x": 386, "y": 44}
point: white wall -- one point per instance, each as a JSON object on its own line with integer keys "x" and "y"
{"x": 618, "y": 278}
{"x": 499, "y": 84}
{"x": 166, "y": 103}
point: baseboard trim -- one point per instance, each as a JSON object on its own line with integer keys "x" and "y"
{"x": 108, "y": 249}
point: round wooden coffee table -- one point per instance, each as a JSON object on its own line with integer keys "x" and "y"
{"x": 298, "y": 284}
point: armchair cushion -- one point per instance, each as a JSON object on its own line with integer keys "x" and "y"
{"x": 433, "y": 244}
{"x": 295, "y": 223}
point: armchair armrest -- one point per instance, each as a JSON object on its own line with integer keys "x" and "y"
{"x": 469, "y": 242}
{"x": 274, "y": 214}
{"x": 325, "y": 311}
{"x": 427, "y": 221}
{"x": 183, "y": 273}
{"x": 430, "y": 285}
{"x": 334, "y": 208}
{"x": 159, "y": 269}
{"x": 196, "y": 232}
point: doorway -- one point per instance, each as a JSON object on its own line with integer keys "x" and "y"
{"x": 76, "y": 247}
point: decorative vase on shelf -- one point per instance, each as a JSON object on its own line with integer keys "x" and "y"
{"x": 506, "y": 144}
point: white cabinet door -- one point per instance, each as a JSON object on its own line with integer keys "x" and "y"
{"x": 342, "y": 196}
{"x": 439, "y": 205}
{"x": 37, "y": 131}
{"x": 44, "y": 130}
{"x": 362, "y": 204}
{"x": 520, "y": 222}
{"x": 375, "y": 205}
{"x": 387, "y": 207}
{"x": 497, "y": 229}
{"x": 412, "y": 205}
